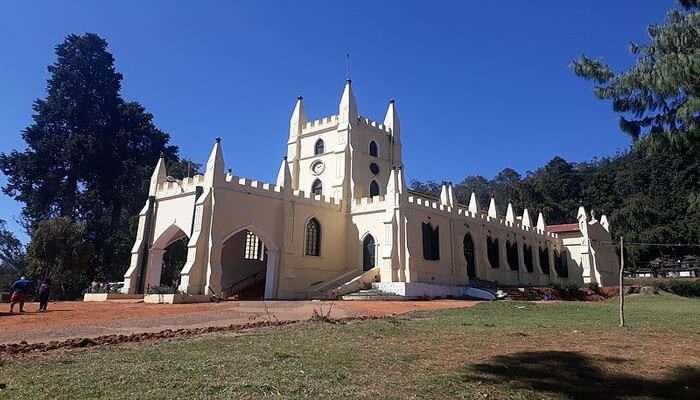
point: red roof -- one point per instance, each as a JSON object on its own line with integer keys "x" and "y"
{"x": 562, "y": 228}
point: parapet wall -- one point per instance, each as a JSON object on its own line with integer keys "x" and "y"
{"x": 178, "y": 187}
{"x": 437, "y": 207}
{"x": 320, "y": 124}
{"x": 369, "y": 204}
{"x": 374, "y": 124}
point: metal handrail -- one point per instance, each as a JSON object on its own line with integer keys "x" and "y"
{"x": 238, "y": 282}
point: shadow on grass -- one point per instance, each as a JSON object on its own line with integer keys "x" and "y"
{"x": 576, "y": 376}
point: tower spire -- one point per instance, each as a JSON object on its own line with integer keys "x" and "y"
{"x": 347, "y": 110}
{"x": 298, "y": 119}
{"x": 159, "y": 175}
{"x": 215, "y": 174}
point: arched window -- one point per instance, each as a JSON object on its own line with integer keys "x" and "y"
{"x": 368, "y": 258}
{"x": 528, "y": 257}
{"x": 560, "y": 264}
{"x": 544, "y": 260}
{"x": 512, "y": 255}
{"x": 373, "y": 189}
{"x": 493, "y": 252}
{"x": 373, "y": 150}
{"x": 253, "y": 247}
{"x": 317, "y": 187}
{"x": 319, "y": 147}
{"x": 313, "y": 238}
{"x": 469, "y": 256}
{"x": 431, "y": 242}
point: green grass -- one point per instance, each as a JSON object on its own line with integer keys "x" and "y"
{"x": 495, "y": 350}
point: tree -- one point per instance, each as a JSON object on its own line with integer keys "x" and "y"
{"x": 89, "y": 154}
{"x": 555, "y": 190}
{"x": 58, "y": 251}
{"x": 659, "y": 96}
{"x": 11, "y": 256}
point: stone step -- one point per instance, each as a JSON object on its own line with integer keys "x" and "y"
{"x": 373, "y": 294}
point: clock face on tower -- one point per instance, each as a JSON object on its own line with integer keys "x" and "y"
{"x": 317, "y": 167}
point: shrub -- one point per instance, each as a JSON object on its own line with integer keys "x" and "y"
{"x": 685, "y": 287}
{"x": 162, "y": 290}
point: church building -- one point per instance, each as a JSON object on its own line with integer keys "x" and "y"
{"x": 339, "y": 218}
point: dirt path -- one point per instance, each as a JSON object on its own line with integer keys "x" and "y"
{"x": 66, "y": 320}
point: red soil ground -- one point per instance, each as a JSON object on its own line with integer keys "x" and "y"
{"x": 67, "y": 320}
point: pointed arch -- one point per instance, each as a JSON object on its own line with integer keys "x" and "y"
{"x": 512, "y": 255}
{"x": 493, "y": 252}
{"x": 271, "y": 250}
{"x": 319, "y": 147}
{"x": 528, "y": 257}
{"x": 312, "y": 235}
{"x": 373, "y": 189}
{"x": 469, "y": 255}
{"x": 544, "y": 260}
{"x": 157, "y": 252}
{"x": 431, "y": 242}
{"x": 171, "y": 234}
{"x": 317, "y": 187}
{"x": 368, "y": 252}
{"x": 561, "y": 266}
{"x": 373, "y": 149}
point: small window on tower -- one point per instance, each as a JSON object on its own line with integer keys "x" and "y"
{"x": 319, "y": 147}
{"x": 373, "y": 151}
{"x": 317, "y": 187}
{"x": 374, "y": 168}
{"x": 373, "y": 189}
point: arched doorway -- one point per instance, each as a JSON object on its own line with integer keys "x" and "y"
{"x": 469, "y": 256}
{"x": 244, "y": 259}
{"x": 166, "y": 257}
{"x": 368, "y": 253}
{"x": 174, "y": 259}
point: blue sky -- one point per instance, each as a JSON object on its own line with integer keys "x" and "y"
{"x": 479, "y": 85}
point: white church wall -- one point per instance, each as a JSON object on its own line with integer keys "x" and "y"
{"x": 299, "y": 271}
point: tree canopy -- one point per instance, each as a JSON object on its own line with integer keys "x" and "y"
{"x": 659, "y": 96}
{"x": 89, "y": 155}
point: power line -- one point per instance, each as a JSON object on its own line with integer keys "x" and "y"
{"x": 614, "y": 243}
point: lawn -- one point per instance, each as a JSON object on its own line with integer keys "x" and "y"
{"x": 491, "y": 351}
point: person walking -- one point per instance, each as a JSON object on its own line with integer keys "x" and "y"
{"x": 44, "y": 291}
{"x": 20, "y": 289}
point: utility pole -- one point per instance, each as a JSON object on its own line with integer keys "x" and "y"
{"x": 622, "y": 289}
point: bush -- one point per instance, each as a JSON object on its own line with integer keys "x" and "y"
{"x": 685, "y": 287}
{"x": 162, "y": 290}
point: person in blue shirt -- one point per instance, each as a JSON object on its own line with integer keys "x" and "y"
{"x": 20, "y": 290}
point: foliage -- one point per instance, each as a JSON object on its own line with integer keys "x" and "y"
{"x": 89, "y": 155}
{"x": 648, "y": 196}
{"x": 659, "y": 96}
{"x": 11, "y": 256}
{"x": 60, "y": 252}
{"x": 686, "y": 287}
{"x": 162, "y": 289}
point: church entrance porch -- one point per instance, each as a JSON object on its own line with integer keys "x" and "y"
{"x": 244, "y": 259}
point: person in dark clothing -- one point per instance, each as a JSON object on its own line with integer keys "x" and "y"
{"x": 44, "y": 291}
{"x": 20, "y": 290}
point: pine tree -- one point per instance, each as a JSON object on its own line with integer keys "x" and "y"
{"x": 659, "y": 96}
